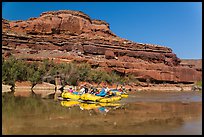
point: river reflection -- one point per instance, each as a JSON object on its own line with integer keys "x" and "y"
{"x": 73, "y": 117}
{"x": 97, "y": 107}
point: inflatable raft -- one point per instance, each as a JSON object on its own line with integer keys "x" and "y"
{"x": 88, "y": 106}
{"x": 69, "y": 95}
{"x": 110, "y": 99}
{"x": 118, "y": 93}
{"x": 69, "y": 103}
{"x": 92, "y": 98}
{"x": 109, "y": 104}
{"x": 124, "y": 95}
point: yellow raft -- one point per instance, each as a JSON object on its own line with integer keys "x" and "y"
{"x": 88, "y": 106}
{"x": 109, "y": 104}
{"x": 90, "y": 97}
{"x": 69, "y": 103}
{"x": 117, "y": 93}
{"x": 93, "y": 98}
{"x": 97, "y": 105}
{"x": 124, "y": 95}
{"x": 69, "y": 95}
{"x": 110, "y": 99}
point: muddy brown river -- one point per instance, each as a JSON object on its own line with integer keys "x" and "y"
{"x": 145, "y": 113}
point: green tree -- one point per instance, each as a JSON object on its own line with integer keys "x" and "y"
{"x": 83, "y": 70}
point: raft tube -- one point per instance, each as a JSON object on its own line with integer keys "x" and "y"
{"x": 124, "y": 95}
{"x": 111, "y": 99}
{"x": 90, "y": 97}
{"x": 70, "y": 95}
{"x": 85, "y": 106}
{"x": 109, "y": 104}
{"x": 69, "y": 103}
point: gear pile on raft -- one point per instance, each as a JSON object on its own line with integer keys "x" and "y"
{"x": 93, "y": 94}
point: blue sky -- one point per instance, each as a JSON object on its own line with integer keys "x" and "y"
{"x": 177, "y": 25}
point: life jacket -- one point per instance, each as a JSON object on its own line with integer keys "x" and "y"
{"x": 102, "y": 93}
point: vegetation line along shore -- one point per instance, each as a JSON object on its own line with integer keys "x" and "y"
{"x": 71, "y": 73}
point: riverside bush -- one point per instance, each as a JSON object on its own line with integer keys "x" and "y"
{"x": 19, "y": 70}
{"x": 199, "y": 83}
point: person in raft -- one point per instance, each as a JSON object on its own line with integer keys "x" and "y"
{"x": 103, "y": 91}
{"x": 83, "y": 90}
{"x": 71, "y": 90}
{"x": 86, "y": 89}
{"x": 94, "y": 90}
{"x": 110, "y": 93}
{"x": 122, "y": 89}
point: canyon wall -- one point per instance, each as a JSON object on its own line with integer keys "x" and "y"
{"x": 65, "y": 36}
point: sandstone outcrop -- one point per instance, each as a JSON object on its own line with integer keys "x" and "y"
{"x": 25, "y": 85}
{"x": 64, "y": 36}
{"x": 44, "y": 86}
{"x": 44, "y": 90}
{"x": 192, "y": 63}
{"x": 6, "y": 88}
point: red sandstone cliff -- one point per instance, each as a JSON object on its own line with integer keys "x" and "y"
{"x": 72, "y": 35}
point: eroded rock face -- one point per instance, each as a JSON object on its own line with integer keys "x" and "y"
{"x": 67, "y": 35}
{"x": 59, "y": 22}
